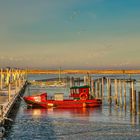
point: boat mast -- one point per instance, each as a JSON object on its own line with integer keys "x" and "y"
{"x": 60, "y": 74}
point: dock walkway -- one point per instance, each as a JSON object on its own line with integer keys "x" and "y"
{"x": 12, "y": 86}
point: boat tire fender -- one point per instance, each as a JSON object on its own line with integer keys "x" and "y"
{"x": 83, "y": 96}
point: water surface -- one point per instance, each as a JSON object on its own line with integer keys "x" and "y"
{"x": 104, "y": 123}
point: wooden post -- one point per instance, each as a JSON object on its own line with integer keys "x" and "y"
{"x": 135, "y": 104}
{"x": 23, "y": 80}
{"x": 92, "y": 87}
{"x": 130, "y": 100}
{"x": 110, "y": 91}
{"x": 116, "y": 92}
{"x": 102, "y": 88}
{"x": 133, "y": 97}
{"x": 107, "y": 89}
{"x": 85, "y": 80}
{"x": 16, "y": 88}
{"x": 70, "y": 81}
{"x": 19, "y": 81}
{"x": 139, "y": 102}
{"x": 89, "y": 81}
{"x": 79, "y": 81}
{"x": 98, "y": 88}
{"x": 1, "y": 79}
{"x": 99, "y": 82}
{"x": 11, "y": 75}
{"x": 7, "y": 78}
{"x": 124, "y": 84}
{"x": 120, "y": 85}
{"x": 95, "y": 89}
{"x": 9, "y": 91}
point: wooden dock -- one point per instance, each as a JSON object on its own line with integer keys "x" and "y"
{"x": 12, "y": 86}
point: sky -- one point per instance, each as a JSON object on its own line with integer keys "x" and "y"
{"x": 71, "y": 34}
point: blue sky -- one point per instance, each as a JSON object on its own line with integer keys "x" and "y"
{"x": 73, "y": 34}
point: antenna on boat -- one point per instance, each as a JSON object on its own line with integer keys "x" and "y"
{"x": 60, "y": 74}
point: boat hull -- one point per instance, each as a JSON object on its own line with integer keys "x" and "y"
{"x": 63, "y": 104}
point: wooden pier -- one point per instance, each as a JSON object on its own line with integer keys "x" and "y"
{"x": 12, "y": 85}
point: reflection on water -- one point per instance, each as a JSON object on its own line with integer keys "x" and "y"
{"x": 62, "y": 124}
{"x": 62, "y": 113}
{"x": 104, "y": 123}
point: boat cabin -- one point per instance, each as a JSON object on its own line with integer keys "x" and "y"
{"x": 77, "y": 91}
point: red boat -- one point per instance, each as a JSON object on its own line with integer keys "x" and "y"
{"x": 79, "y": 97}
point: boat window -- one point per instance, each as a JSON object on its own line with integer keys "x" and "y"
{"x": 77, "y": 91}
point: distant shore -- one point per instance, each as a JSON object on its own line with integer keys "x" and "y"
{"x": 83, "y": 71}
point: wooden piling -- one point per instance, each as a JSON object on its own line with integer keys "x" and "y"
{"x": 107, "y": 82}
{"x": 102, "y": 88}
{"x": 109, "y": 91}
{"x": 16, "y": 88}
{"x": 9, "y": 91}
{"x": 116, "y": 92}
{"x": 124, "y": 89}
{"x": 71, "y": 81}
{"x": 7, "y": 79}
{"x": 89, "y": 81}
{"x": 99, "y": 82}
{"x": 139, "y": 102}
{"x": 1, "y": 79}
{"x": 120, "y": 86}
{"x": 95, "y": 88}
{"x": 98, "y": 88}
{"x": 92, "y": 87}
{"x": 79, "y": 81}
{"x": 19, "y": 83}
{"x": 6, "y": 108}
{"x": 85, "y": 80}
{"x": 133, "y": 97}
{"x": 130, "y": 100}
{"x": 135, "y": 103}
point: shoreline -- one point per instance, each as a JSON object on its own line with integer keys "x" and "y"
{"x": 83, "y": 71}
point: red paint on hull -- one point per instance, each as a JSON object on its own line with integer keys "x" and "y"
{"x": 43, "y": 102}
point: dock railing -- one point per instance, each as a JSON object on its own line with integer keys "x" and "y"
{"x": 11, "y": 83}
